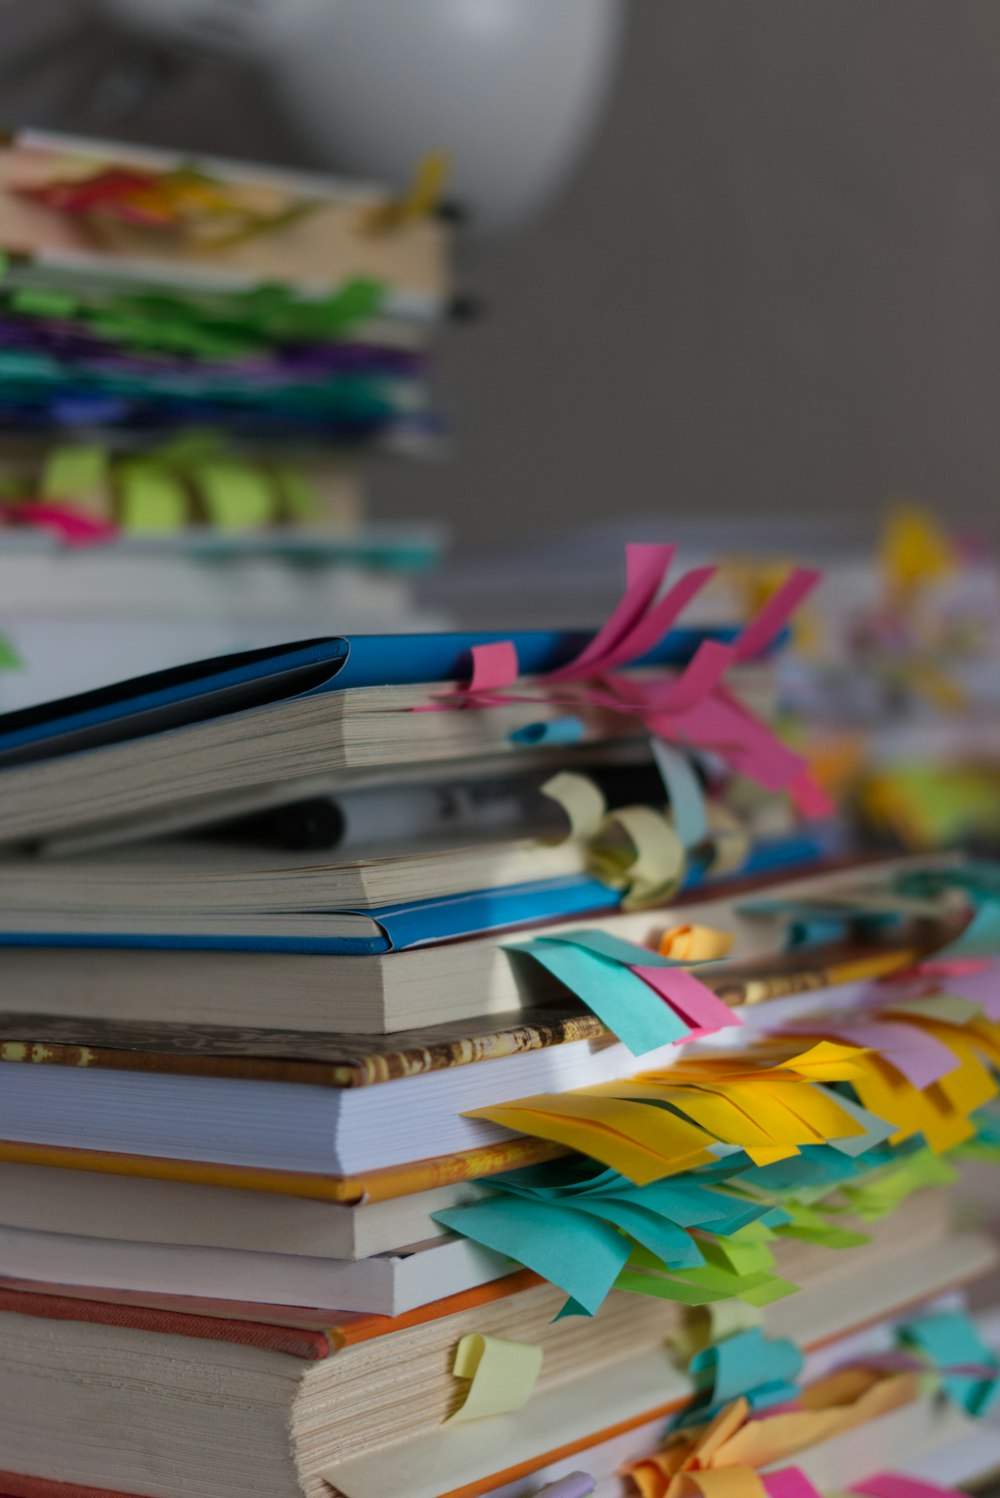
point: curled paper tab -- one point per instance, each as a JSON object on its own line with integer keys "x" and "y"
{"x": 636, "y": 849}
{"x": 695, "y": 943}
{"x": 502, "y": 1375}
{"x": 579, "y": 798}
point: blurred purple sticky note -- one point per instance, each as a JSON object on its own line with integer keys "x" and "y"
{"x": 574, "y": 1485}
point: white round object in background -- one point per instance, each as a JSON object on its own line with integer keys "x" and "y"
{"x": 510, "y": 89}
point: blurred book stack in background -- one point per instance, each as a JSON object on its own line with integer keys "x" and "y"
{"x": 198, "y": 357}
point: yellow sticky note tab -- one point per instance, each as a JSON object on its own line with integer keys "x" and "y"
{"x": 913, "y": 548}
{"x": 503, "y": 1375}
{"x": 151, "y": 499}
{"x": 77, "y": 473}
{"x": 695, "y": 943}
{"x": 236, "y": 496}
{"x": 828, "y": 1061}
{"x": 427, "y": 187}
{"x": 580, "y": 798}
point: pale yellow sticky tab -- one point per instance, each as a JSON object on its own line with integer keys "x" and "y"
{"x": 695, "y": 943}
{"x": 503, "y": 1375}
{"x": 581, "y": 800}
{"x": 636, "y": 849}
{"x": 731, "y": 842}
{"x": 705, "y": 1325}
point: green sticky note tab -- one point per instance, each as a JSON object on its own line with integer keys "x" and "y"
{"x": 152, "y": 500}
{"x": 663, "y": 1287}
{"x": 38, "y": 301}
{"x": 78, "y": 473}
{"x": 236, "y": 496}
{"x": 9, "y": 658}
{"x": 296, "y": 495}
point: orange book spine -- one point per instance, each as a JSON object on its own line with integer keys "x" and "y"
{"x": 376, "y": 1186}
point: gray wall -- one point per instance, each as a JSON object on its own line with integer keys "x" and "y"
{"x": 773, "y": 286}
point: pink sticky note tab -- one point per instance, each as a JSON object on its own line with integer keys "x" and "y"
{"x": 982, "y": 988}
{"x": 788, "y": 1482}
{"x": 494, "y": 665}
{"x": 646, "y": 567}
{"x": 649, "y": 630}
{"x": 774, "y": 615}
{"x": 688, "y": 996}
{"x": 72, "y": 525}
{"x": 900, "y": 1485}
{"x": 810, "y": 799}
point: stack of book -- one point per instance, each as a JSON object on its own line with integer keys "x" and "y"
{"x": 415, "y": 1076}
{"x": 198, "y": 358}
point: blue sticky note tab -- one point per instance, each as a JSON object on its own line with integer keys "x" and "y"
{"x": 558, "y": 731}
{"x": 580, "y": 1254}
{"x": 684, "y": 792}
{"x": 623, "y": 1002}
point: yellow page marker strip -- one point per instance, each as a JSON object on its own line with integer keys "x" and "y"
{"x": 503, "y": 1375}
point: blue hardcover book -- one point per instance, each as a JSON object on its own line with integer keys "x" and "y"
{"x": 395, "y": 928}
{"x": 203, "y": 690}
{"x": 176, "y": 744}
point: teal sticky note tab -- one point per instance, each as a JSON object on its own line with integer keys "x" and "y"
{"x": 877, "y": 1130}
{"x": 614, "y": 948}
{"x": 747, "y": 1363}
{"x": 580, "y": 1254}
{"x": 952, "y": 1343}
{"x": 629, "y": 1007}
{"x": 981, "y": 937}
{"x": 684, "y": 792}
{"x": 675, "y": 1248}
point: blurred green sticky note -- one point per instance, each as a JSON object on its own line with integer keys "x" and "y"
{"x": 9, "y": 658}
{"x": 151, "y": 499}
{"x": 296, "y": 495}
{"x": 78, "y": 472}
{"x": 236, "y": 496}
{"x": 38, "y": 301}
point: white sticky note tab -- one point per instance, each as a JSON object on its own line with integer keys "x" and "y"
{"x": 503, "y": 1375}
